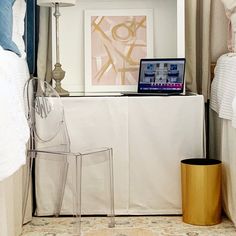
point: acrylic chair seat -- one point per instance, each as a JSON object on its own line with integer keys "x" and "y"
{"x": 50, "y": 142}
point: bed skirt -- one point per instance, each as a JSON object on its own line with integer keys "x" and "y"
{"x": 11, "y": 196}
{"x": 222, "y": 147}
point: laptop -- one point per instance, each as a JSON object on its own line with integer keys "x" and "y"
{"x": 160, "y": 77}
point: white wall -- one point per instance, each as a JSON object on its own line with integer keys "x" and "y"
{"x": 164, "y": 27}
{"x": 72, "y": 33}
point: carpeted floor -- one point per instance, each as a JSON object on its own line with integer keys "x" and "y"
{"x": 126, "y": 226}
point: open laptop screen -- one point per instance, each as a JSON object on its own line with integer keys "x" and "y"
{"x": 161, "y": 75}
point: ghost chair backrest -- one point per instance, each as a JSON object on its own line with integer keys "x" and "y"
{"x": 45, "y": 114}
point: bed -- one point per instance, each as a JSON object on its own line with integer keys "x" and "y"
{"x": 223, "y": 128}
{"x": 17, "y": 44}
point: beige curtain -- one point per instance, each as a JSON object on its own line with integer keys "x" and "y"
{"x": 198, "y": 54}
{"x": 44, "y": 60}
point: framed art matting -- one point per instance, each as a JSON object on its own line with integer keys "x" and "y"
{"x": 115, "y": 41}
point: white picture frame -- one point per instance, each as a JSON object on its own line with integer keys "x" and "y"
{"x": 106, "y": 52}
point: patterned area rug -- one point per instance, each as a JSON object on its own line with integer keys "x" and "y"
{"x": 125, "y": 226}
{"x": 121, "y": 232}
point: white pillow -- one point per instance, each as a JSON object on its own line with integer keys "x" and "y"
{"x": 229, "y": 4}
{"x": 19, "y": 10}
{"x": 230, "y": 10}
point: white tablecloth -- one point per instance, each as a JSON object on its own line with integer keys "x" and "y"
{"x": 149, "y": 135}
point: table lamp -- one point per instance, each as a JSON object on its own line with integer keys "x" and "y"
{"x": 57, "y": 74}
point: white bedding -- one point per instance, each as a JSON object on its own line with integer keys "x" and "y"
{"x": 223, "y": 88}
{"x": 14, "y": 131}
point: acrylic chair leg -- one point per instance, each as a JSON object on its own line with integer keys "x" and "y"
{"x": 111, "y": 183}
{"x": 61, "y": 192}
{"x": 29, "y": 167}
{"x": 77, "y": 196}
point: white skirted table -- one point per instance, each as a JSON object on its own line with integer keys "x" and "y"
{"x": 149, "y": 136}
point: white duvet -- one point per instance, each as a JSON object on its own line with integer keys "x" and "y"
{"x": 14, "y": 131}
{"x": 223, "y": 88}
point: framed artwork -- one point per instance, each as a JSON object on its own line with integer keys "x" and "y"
{"x": 115, "y": 41}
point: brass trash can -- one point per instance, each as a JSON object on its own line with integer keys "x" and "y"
{"x": 201, "y": 191}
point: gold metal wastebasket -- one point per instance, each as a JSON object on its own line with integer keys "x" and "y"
{"x": 201, "y": 191}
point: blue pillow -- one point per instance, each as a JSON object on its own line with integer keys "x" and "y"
{"x": 6, "y": 25}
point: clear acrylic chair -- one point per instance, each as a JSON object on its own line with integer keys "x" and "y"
{"x": 50, "y": 141}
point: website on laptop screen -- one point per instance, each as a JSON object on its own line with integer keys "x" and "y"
{"x": 161, "y": 75}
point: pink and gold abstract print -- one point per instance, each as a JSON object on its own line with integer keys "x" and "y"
{"x": 117, "y": 43}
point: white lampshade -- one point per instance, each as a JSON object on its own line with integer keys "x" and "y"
{"x": 50, "y": 3}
